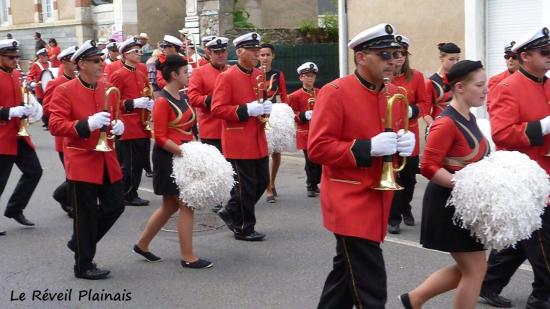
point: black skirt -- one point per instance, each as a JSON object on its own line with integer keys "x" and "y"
{"x": 163, "y": 182}
{"x": 438, "y": 231}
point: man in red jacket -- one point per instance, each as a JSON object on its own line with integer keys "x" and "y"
{"x": 78, "y": 115}
{"x": 244, "y": 144}
{"x": 135, "y": 108}
{"x": 15, "y": 149}
{"x": 512, "y": 65}
{"x": 519, "y": 114}
{"x": 347, "y": 137}
{"x": 34, "y": 78}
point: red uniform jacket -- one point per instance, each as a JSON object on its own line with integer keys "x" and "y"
{"x": 415, "y": 89}
{"x": 131, "y": 83}
{"x": 276, "y": 85}
{"x": 299, "y": 100}
{"x": 52, "y": 55}
{"x": 201, "y": 87}
{"x": 493, "y": 81}
{"x": 112, "y": 67}
{"x": 173, "y": 119}
{"x": 10, "y": 96}
{"x": 52, "y": 85}
{"x": 348, "y": 113}
{"x": 438, "y": 94}
{"x": 243, "y": 137}
{"x": 72, "y": 103}
{"x": 34, "y": 76}
{"x": 203, "y": 61}
{"x": 518, "y": 105}
{"x": 453, "y": 143}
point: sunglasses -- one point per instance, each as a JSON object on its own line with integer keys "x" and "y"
{"x": 11, "y": 57}
{"x": 513, "y": 56}
{"x": 94, "y": 60}
{"x": 166, "y": 45}
{"x": 136, "y": 51}
{"x": 387, "y": 55}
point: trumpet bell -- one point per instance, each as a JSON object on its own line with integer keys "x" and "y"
{"x": 387, "y": 180}
{"x": 23, "y": 128}
{"x": 102, "y": 144}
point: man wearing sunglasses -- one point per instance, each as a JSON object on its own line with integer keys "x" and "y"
{"x": 136, "y": 104}
{"x": 520, "y": 121}
{"x": 14, "y": 149}
{"x": 77, "y": 114}
{"x": 512, "y": 65}
{"x": 347, "y": 137}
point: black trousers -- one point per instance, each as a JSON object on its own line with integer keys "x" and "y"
{"x": 61, "y": 193}
{"x": 92, "y": 222}
{"x": 147, "y": 166}
{"x": 313, "y": 172}
{"x": 503, "y": 264}
{"x": 27, "y": 161}
{"x": 133, "y": 155}
{"x": 358, "y": 276}
{"x": 252, "y": 177}
{"x": 401, "y": 203}
{"x": 214, "y": 142}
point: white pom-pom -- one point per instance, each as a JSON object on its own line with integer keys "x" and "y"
{"x": 203, "y": 176}
{"x": 485, "y": 127}
{"x": 500, "y": 199}
{"x": 281, "y": 131}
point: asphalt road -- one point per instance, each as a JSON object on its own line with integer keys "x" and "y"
{"x": 285, "y": 271}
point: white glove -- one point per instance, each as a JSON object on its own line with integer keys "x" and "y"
{"x": 150, "y": 105}
{"x": 308, "y": 114}
{"x": 20, "y": 111}
{"x": 383, "y": 144}
{"x": 98, "y": 120}
{"x": 405, "y": 143}
{"x": 545, "y": 125}
{"x": 268, "y": 106}
{"x": 410, "y": 113}
{"x": 117, "y": 127}
{"x": 254, "y": 109}
{"x": 141, "y": 102}
{"x": 33, "y": 84}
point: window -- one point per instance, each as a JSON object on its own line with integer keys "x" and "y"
{"x": 47, "y": 10}
{"x": 4, "y": 12}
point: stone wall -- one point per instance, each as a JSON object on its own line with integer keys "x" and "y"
{"x": 273, "y": 36}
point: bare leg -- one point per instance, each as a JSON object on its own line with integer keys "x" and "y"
{"x": 157, "y": 220}
{"x": 275, "y": 164}
{"x": 441, "y": 281}
{"x": 473, "y": 266}
{"x": 185, "y": 233}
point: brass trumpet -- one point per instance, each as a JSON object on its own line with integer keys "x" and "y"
{"x": 387, "y": 179}
{"x": 102, "y": 144}
{"x": 311, "y": 101}
{"x": 261, "y": 92}
{"x": 147, "y": 118}
{"x": 24, "y": 122}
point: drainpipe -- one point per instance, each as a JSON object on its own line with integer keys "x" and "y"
{"x": 343, "y": 37}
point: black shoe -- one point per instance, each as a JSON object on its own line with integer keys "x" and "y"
{"x": 311, "y": 193}
{"x": 405, "y": 301}
{"x": 92, "y": 274}
{"x": 394, "y": 228}
{"x": 494, "y": 299}
{"x": 224, "y": 215}
{"x": 254, "y": 236}
{"x": 537, "y": 303}
{"x": 198, "y": 264}
{"x": 271, "y": 199}
{"x": 71, "y": 245}
{"x": 216, "y": 208}
{"x": 408, "y": 218}
{"x": 275, "y": 192}
{"x": 148, "y": 174}
{"x": 20, "y": 218}
{"x": 2, "y": 233}
{"x": 150, "y": 257}
{"x": 136, "y": 201}
{"x": 317, "y": 190}
{"x": 68, "y": 209}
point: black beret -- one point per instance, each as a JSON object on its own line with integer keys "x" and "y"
{"x": 450, "y": 48}
{"x": 175, "y": 61}
{"x": 462, "y": 68}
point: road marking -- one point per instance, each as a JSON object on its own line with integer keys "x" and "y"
{"x": 414, "y": 244}
{"x": 146, "y": 189}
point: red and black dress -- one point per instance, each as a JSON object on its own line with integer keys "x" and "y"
{"x": 173, "y": 120}
{"x": 276, "y": 86}
{"x": 438, "y": 94}
{"x": 453, "y": 143}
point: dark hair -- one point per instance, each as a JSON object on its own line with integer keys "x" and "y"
{"x": 112, "y": 40}
{"x": 172, "y": 64}
{"x": 406, "y": 68}
{"x": 52, "y": 40}
{"x": 267, "y": 45}
{"x": 37, "y": 34}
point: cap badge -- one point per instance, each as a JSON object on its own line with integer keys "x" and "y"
{"x": 92, "y": 42}
{"x": 545, "y": 31}
{"x": 311, "y": 66}
{"x": 255, "y": 36}
{"x": 14, "y": 44}
{"x": 219, "y": 41}
{"x": 398, "y": 38}
{"x": 389, "y": 29}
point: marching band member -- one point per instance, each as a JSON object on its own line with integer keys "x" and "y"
{"x": 413, "y": 86}
{"x": 173, "y": 120}
{"x": 276, "y": 85}
{"x": 77, "y": 114}
{"x": 454, "y": 141}
{"x": 34, "y": 75}
{"x": 348, "y": 139}
{"x": 512, "y": 65}
{"x": 520, "y": 121}
{"x": 113, "y": 61}
{"x": 132, "y": 147}
{"x": 438, "y": 92}
{"x": 206, "y": 58}
{"x": 302, "y": 102}
{"x": 244, "y": 142}
{"x": 170, "y": 45}
{"x": 61, "y": 194}
{"x": 15, "y": 149}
